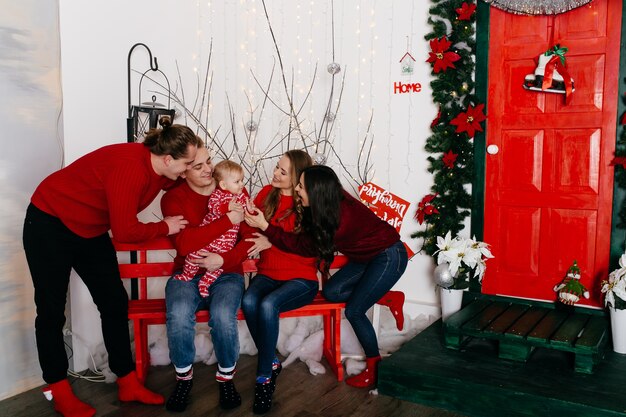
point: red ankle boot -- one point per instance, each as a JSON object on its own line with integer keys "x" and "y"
{"x": 367, "y": 378}
{"x": 130, "y": 389}
{"x": 66, "y": 403}
{"x": 395, "y": 301}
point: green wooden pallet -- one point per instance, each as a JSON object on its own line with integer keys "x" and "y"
{"x": 520, "y": 326}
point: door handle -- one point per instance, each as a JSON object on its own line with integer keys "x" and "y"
{"x": 493, "y": 149}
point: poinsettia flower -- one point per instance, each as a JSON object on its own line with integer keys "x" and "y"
{"x": 615, "y": 286}
{"x": 425, "y": 208}
{"x": 465, "y": 11}
{"x": 470, "y": 120}
{"x": 440, "y": 56}
{"x": 449, "y": 158}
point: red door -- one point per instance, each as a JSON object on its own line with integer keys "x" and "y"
{"x": 549, "y": 187}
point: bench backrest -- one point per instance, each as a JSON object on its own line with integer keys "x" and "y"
{"x": 146, "y": 265}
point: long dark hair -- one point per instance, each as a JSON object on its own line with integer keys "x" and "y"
{"x": 299, "y": 160}
{"x": 321, "y": 218}
{"x": 171, "y": 139}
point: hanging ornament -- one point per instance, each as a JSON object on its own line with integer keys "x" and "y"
{"x": 442, "y": 276}
{"x": 333, "y": 68}
{"x": 470, "y": 120}
{"x": 440, "y": 57}
{"x": 330, "y": 117}
{"x": 537, "y": 6}
{"x": 551, "y": 75}
{"x": 465, "y": 11}
{"x": 319, "y": 158}
{"x": 251, "y": 126}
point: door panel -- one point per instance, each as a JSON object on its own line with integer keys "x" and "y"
{"x": 549, "y": 188}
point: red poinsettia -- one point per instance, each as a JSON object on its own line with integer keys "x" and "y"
{"x": 440, "y": 55}
{"x": 465, "y": 11}
{"x": 470, "y": 120}
{"x": 425, "y": 208}
{"x": 449, "y": 158}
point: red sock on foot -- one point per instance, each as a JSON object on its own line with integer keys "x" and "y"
{"x": 130, "y": 389}
{"x": 395, "y": 301}
{"x": 66, "y": 403}
{"x": 367, "y": 378}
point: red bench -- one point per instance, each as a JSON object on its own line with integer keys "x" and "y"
{"x": 146, "y": 311}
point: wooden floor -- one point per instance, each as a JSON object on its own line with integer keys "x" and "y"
{"x": 475, "y": 382}
{"x": 298, "y": 393}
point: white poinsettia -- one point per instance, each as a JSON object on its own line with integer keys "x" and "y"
{"x": 463, "y": 254}
{"x": 615, "y": 286}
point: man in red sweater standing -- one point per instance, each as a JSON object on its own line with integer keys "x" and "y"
{"x": 67, "y": 225}
{"x": 183, "y": 299}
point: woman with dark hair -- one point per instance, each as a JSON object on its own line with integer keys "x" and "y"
{"x": 67, "y": 226}
{"x": 334, "y": 221}
{"x": 284, "y": 281}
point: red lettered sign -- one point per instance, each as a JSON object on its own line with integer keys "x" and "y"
{"x": 389, "y": 207}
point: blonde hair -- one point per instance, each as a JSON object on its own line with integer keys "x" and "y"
{"x": 225, "y": 168}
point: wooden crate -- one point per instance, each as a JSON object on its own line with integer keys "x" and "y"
{"x": 520, "y": 326}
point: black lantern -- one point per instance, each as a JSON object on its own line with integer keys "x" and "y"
{"x": 146, "y": 115}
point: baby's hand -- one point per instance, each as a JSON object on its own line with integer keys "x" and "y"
{"x": 251, "y": 208}
{"x": 233, "y": 204}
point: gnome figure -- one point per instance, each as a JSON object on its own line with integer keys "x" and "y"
{"x": 570, "y": 289}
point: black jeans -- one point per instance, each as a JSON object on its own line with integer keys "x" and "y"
{"x": 52, "y": 250}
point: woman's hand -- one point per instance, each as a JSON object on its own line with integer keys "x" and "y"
{"x": 260, "y": 243}
{"x": 210, "y": 261}
{"x": 175, "y": 224}
{"x": 255, "y": 218}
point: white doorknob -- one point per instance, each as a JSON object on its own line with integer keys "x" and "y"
{"x": 492, "y": 149}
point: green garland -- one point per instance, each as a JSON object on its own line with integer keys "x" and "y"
{"x": 620, "y": 173}
{"x": 453, "y": 92}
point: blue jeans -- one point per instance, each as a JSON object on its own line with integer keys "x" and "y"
{"x": 361, "y": 285}
{"x": 182, "y": 300}
{"x": 264, "y": 299}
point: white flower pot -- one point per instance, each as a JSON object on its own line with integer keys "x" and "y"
{"x": 450, "y": 302}
{"x": 618, "y": 329}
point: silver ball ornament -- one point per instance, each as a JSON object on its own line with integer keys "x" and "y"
{"x": 330, "y": 117}
{"x": 319, "y": 159}
{"x": 442, "y": 276}
{"x": 251, "y": 126}
{"x": 333, "y": 68}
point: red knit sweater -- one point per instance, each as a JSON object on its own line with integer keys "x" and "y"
{"x": 104, "y": 190}
{"x": 275, "y": 263}
{"x": 182, "y": 200}
{"x": 361, "y": 235}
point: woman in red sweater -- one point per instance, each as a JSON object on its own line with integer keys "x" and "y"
{"x": 67, "y": 225}
{"x": 334, "y": 221}
{"x": 284, "y": 281}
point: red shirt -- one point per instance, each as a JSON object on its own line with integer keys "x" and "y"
{"x": 360, "y": 237}
{"x": 275, "y": 263}
{"x": 104, "y": 190}
{"x": 182, "y": 200}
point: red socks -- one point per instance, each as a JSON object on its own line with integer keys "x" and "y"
{"x": 367, "y": 378}
{"x": 130, "y": 389}
{"x": 66, "y": 403}
{"x": 395, "y": 301}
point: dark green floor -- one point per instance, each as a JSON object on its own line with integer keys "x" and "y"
{"x": 475, "y": 382}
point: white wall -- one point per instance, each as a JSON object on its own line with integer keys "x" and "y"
{"x": 30, "y": 106}
{"x": 370, "y": 37}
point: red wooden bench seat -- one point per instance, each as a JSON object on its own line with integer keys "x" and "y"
{"x": 146, "y": 311}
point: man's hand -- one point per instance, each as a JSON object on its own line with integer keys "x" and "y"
{"x": 175, "y": 224}
{"x": 210, "y": 261}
